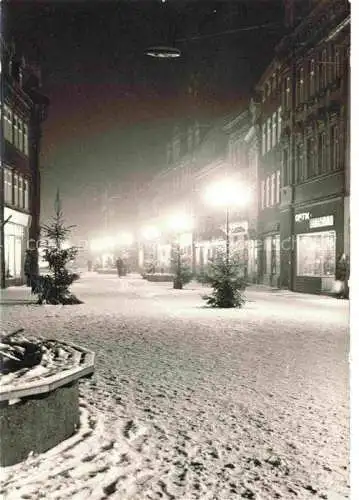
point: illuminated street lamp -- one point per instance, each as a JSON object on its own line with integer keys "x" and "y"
{"x": 125, "y": 239}
{"x": 180, "y": 222}
{"x": 150, "y": 233}
{"x": 227, "y": 193}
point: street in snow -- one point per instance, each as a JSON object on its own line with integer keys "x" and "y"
{"x": 195, "y": 403}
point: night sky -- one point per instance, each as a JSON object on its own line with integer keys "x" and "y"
{"x": 112, "y": 107}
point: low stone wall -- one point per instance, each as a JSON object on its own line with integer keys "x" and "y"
{"x": 36, "y": 415}
{"x": 38, "y": 423}
{"x": 159, "y": 277}
{"x": 106, "y": 271}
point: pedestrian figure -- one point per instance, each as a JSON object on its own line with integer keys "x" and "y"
{"x": 28, "y": 267}
{"x": 120, "y": 266}
{"x": 342, "y": 272}
{"x": 89, "y": 265}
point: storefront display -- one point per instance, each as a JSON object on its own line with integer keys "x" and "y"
{"x": 15, "y": 232}
{"x": 319, "y": 241}
{"x": 316, "y": 254}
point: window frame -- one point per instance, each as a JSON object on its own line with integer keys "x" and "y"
{"x": 267, "y": 192}
{"x": 263, "y": 187}
{"x": 307, "y": 245}
{"x": 273, "y": 187}
{"x": 322, "y": 153}
{"x": 278, "y": 192}
{"x": 274, "y": 129}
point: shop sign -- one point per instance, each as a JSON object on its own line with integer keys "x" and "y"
{"x": 302, "y": 216}
{"x": 327, "y": 220}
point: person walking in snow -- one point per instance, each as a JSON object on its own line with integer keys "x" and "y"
{"x": 120, "y": 267}
{"x": 342, "y": 273}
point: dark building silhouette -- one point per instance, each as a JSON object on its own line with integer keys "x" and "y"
{"x": 23, "y": 108}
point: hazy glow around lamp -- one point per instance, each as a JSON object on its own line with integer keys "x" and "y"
{"x": 180, "y": 222}
{"x": 125, "y": 239}
{"x": 150, "y": 233}
{"x": 227, "y": 193}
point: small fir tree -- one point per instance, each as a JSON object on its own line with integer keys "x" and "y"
{"x": 53, "y": 288}
{"x": 226, "y": 278}
{"x": 180, "y": 268}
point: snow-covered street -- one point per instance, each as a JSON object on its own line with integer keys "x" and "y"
{"x": 195, "y": 403}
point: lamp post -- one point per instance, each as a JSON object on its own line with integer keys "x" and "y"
{"x": 227, "y": 193}
{"x": 178, "y": 223}
{"x": 151, "y": 234}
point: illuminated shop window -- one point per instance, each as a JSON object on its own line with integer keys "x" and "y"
{"x": 316, "y": 254}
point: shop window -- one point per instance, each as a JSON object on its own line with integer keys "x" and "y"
{"x": 310, "y": 157}
{"x": 322, "y": 156}
{"x": 274, "y": 129}
{"x": 278, "y": 187}
{"x": 262, "y": 194}
{"x": 312, "y": 78}
{"x": 316, "y": 254}
{"x": 14, "y": 237}
{"x": 334, "y": 143}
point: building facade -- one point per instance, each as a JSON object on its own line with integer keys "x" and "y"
{"x": 23, "y": 108}
{"x": 227, "y": 148}
{"x": 304, "y": 164}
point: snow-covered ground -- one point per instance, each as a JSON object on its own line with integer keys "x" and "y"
{"x": 195, "y": 403}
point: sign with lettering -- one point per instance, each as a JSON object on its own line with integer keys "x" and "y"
{"x": 302, "y": 217}
{"x": 327, "y": 220}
